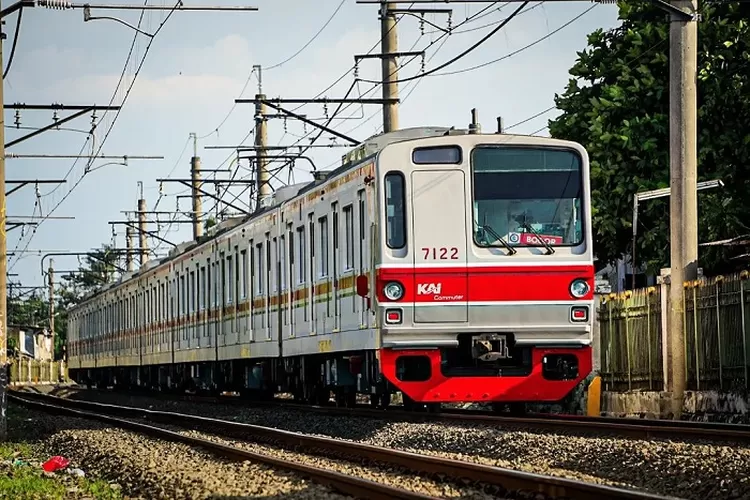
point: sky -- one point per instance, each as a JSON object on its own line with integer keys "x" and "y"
{"x": 185, "y": 79}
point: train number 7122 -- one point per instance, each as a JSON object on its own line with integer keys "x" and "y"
{"x": 441, "y": 253}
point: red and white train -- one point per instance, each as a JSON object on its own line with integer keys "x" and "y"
{"x": 447, "y": 265}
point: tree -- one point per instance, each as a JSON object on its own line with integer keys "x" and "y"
{"x": 617, "y": 106}
{"x": 97, "y": 270}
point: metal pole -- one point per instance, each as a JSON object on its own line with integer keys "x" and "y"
{"x": 51, "y": 285}
{"x": 143, "y": 244}
{"x": 635, "y": 235}
{"x": 195, "y": 174}
{"x": 474, "y": 126}
{"x": 263, "y": 177}
{"x": 3, "y": 269}
{"x": 390, "y": 67}
{"x": 683, "y": 36}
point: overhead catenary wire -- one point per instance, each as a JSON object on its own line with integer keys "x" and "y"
{"x": 462, "y": 54}
{"x": 15, "y": 42}
{"x": 511, "y": 54}
{"x": 114, "y": 120}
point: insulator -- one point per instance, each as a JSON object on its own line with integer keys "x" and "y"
{"x": 36, "y": 190}
{"x": 161, "y": 189}
{"x": 55, "y": 4}
{"x": 285, "y": 124}
{"x": 450, "y": 21}
{"x": 18, "y": 118}
{"x": 177, "y": 208}
{"x": 325, "y": 109}
{"x": 304, "y": 127}
{"x": 23, "y": 231}
{"x": 55, "y": 118}
{"x": 356, "y": 69}
{"x": 422, "y": 63}
{"x": 421, "y": 24}
{"x": 93, "y": 119}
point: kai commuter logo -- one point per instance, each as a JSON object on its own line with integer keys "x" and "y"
{"x": 429, "y": 288}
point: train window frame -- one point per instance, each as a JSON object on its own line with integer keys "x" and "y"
{"x": 397, "y": 245}
{"x": 323, "y": 227}
{"x": 583, "y": 213}
{"x": 453, "y": 147}
{"x": 348, "y": 237}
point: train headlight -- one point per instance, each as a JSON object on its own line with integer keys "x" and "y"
{"x": 579, "y": 288}
{"x": 393, "y": 291}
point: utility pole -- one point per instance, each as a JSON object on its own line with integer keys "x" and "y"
{"x": 195, "y": 175}
{"x": 389, "y": 46}
{"x": 51, "y": 292}
{"x": 3, "y": 266}
{"x": 129, "y": 247}
{"x": 263, "y": 177}
{"x": 683, "y": 206}
{"x": 142, "y": 243}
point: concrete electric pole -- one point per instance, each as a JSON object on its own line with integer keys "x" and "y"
{"x": 129, "y": 248}
{"x": 389, "y": 43}
{"x": 683, "y": 205}
{"x": 195, "y": 176}
{"x": 262, "y": 176}
{"x": 142, "y": 242}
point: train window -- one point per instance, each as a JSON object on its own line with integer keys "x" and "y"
{"x": 395, "y": 210}
{"x": 230, "y": 281}
{"x": 274, "y": 271}
{"x": 301, "y": 254}
{"x": 282, "y": 263}
{"x": 243, "y": 274}
{"x": 323, "y": 224}
{"x": 348, "y": 237}
{"x": 202, "y": 296}
{"x": 441, "y": 155}
{"x": 259, "y": 284}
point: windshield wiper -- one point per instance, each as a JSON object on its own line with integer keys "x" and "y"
{"x": 550, "y": 250}
{"x": 499, "y": 238}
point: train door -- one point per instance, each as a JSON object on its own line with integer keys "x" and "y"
{"x": 438, "y": 199}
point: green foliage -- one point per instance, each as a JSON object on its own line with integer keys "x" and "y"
{"x": 25, "y": 478}
{"x": 210, "y": 222}
{"x": 617, "y": 106}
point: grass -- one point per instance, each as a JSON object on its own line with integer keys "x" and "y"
{"x": 23, "y": 480}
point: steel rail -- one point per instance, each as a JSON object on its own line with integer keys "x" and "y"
{"x": 350, "y": 485}
{"x": 627, "y": 427}
{"x": 508, "y": 479}
{"x": 632, "y": 427}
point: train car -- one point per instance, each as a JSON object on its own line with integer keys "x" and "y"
{"x": 447, "y": 265}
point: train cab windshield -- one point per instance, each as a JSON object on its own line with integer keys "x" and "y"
{"x": 524, "y": 194}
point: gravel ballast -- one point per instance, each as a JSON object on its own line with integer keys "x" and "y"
{"x": 148, "y": 468}
{"x": 685, "y": 469}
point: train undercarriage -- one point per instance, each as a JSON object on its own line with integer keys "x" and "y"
{"x": 473, "y": 372}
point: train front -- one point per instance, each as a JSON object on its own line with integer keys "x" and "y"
{"x": 485, "y": 276}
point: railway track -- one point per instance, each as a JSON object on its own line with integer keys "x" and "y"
{"x": 508, "y": 480}
{"x": 626, "y": 427}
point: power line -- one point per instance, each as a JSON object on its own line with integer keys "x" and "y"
{"x": 114, "y": 120}
{"x": 15, "y": 42}
{"x": 545, "y": 37}
{"x": 462, "y": 54}
{"x": 309, "y": 41}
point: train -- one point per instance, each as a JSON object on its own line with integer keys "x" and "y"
{"x": 447, "y": 265}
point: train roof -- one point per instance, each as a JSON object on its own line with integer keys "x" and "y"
{"x": 357, "y": 155}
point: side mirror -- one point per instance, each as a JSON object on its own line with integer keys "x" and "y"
{"x": 363, "y": 286}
